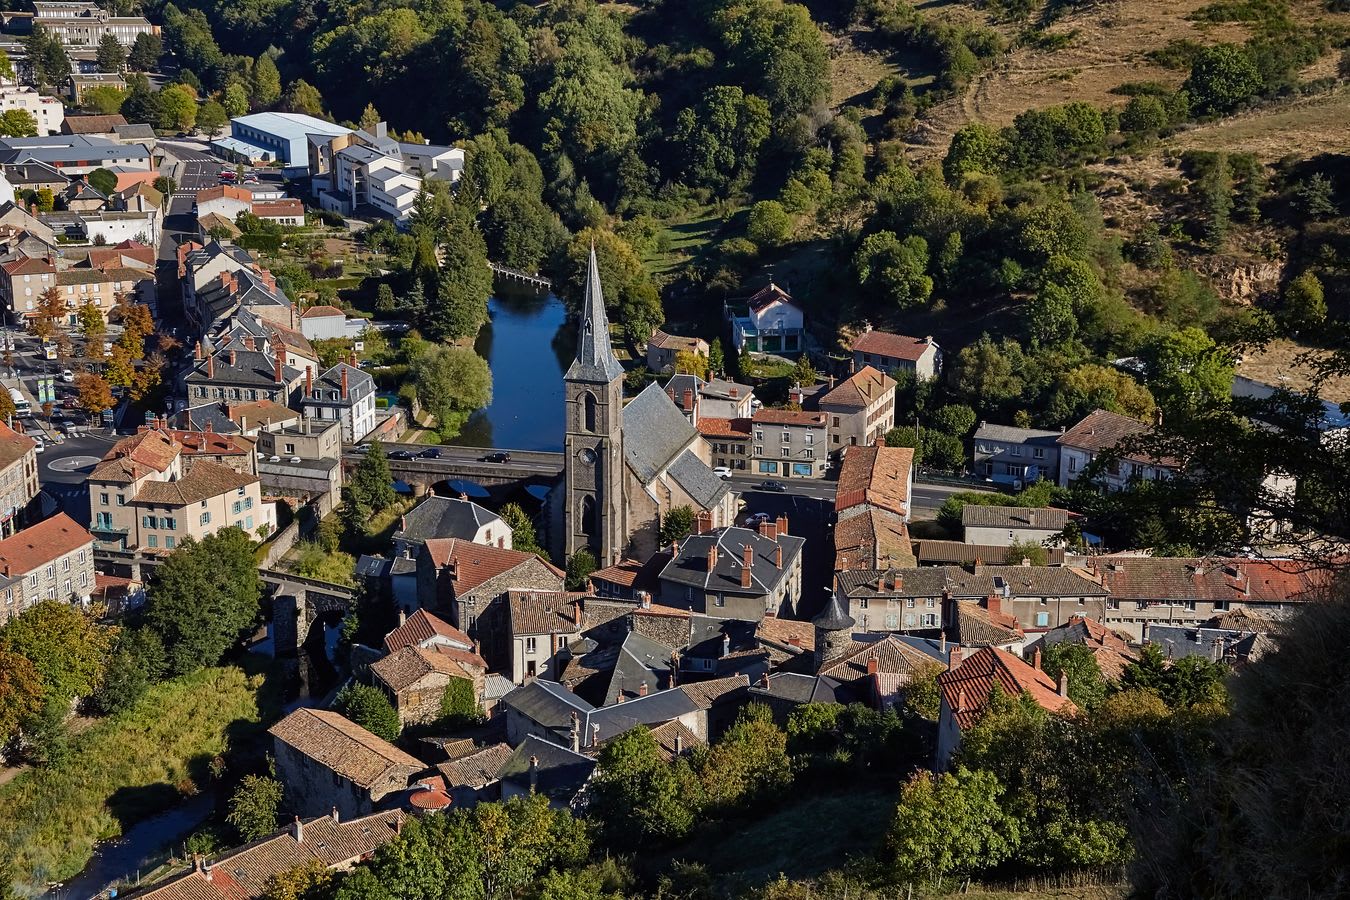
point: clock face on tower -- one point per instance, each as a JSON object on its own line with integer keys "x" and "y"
{"x": 587, "y": 456}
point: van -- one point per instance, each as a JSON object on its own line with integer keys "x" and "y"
{"x": 21, "y": 406}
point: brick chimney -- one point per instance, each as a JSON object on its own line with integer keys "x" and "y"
{"x": 211, "y": 366}
{"x": 309, "y": 381}
{"x": 344, "y": 382}
{"x": 712, "y": 558}
{"x": 576, "y": 613}
{"x": 642, "y": 689}
{"x": 276, "y": 368}
{"x": 994, "y": 604}
{"x": 782, "y": 524}
{"x": 234, "y": 358}
{"x": 872, "y": 666}
{"x": 688, "y": 400}
{"x": 768, "y": 530}
{"x": 778, "y": 555}
{"x": 880, "y": 440}
{"x": 748, "y": 561}
{"x": 954, "y": 657}
{"x": 201, "y": 350}
{"x": 1036, "y": 657}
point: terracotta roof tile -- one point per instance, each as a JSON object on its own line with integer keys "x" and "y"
{"x": 966, "y": 688}
{"x": 13, "y": 446}
{"x": 894, "y": 346}
{"x": 478, "y": 769}
{"x": 545, "y": 612}
{"x": 341, "y": 745}
{"x": 892, "y": 655}
{"x": 404, "y": 668}
{"x": 1159, "y": 579}
{"x": 977, "y": 626}
{"x": 423, "y": 626}
{"x": 272, "y": 208}
{"x": 319, "y": 312}
{"x": 788, "y": 417}
{"x": 666, "y": 736}
{"x": 1100, "y": 431}
{"x": 706, "y": 693}
{"x": 477, "y": 563}
{"x": 207, "y": 479}
{"x": 877, "y": 475}
{"x": 713, "y": 427}
{"x": 860, "y": 390}
{"x": 870, "y": 539}
{"x": 663, "y": 341}
{"x": 34, "y": 547}
{"x": 786, "y": 633}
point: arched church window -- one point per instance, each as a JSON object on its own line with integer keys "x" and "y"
{"x": 588, "y": 412}
{"x": 588, "y": 516}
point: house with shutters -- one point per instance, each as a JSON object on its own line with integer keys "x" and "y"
{"x": 52, "y": 560}
{"x": 736, "y": 573}
{"x": 662, "y": 349}
{"x": 770, "y": 321}
{"x": 921, "y": 357}
{"x": 861, "y": 408}
{"x": 343, "y": 393}
{"x": 1102, "y": 433}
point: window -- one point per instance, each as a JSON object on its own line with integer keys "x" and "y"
{"x": 248, "y": 504}
{"x": 784, "y": 452}
{"x": 103, "y": 499}
{"x": 1073, "y": 464}
{"x": 759, "y": 435}
{"x": 290, "y": 449}
{"x": 51, "y": 593}
{"x": 810, "y": 438}
{"x": 1016, "y": 450}
{"x": 236, "y": 507}
{"x": 168, "y": 542}
{"x": 759, "y": 451}
{"x": 836, "y": 421}
{"x": 909, "y": 603}
{"x": 720, "y": 600}
{"x": 152, "y": 541}
{"x": 1042, "y": 619}
{"x": 81, "y": 557}
{"x": 204, "y": 519}
{"x": 65, "y": 564}
{"x": 65, "y": 587}
{"x": 121, "y": 500}
{"x": 148, "y": 521}
{"x": 84, "y": 579}
{"x": 168, "y": 523}
{"x": 530, "y": 645}
{"x": 51, "y": 570}
{"x": 240, "y": 492}
{"x": 787, "y": 436}
{"x": 1038, "y": 453}
{"x": 248, "y": 523}
{"x": 32, "y": 581}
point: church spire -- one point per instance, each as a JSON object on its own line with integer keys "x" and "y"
{"x": 595, "y": 360}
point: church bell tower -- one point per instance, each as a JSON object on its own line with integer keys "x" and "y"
{"x": 593, "y": 446}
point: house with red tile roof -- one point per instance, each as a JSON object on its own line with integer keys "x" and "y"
{"x": 1112, "y": 652}
{"x": 897, "y": 353}
{"x": 872, "y": 506}
{"x": 861, "y": 408}
{"x": 966, "y": 686}
{"x": 770, "y": 321}
{"x": 52, "y": 560}
{"x": 1103, "y": 433}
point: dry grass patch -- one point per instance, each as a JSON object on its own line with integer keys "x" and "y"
{"x": 1304, "y": 127}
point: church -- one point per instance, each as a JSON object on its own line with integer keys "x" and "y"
{"x": 625, "y": 467}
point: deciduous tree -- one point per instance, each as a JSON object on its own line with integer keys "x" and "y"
{"x": 368, "y": 707}
{"x": 66, "y": 647}
{"x": 254, "y": 807}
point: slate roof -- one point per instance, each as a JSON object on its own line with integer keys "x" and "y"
{"x": 654, "y": 431}
{"x": 341, "y": 745}
{"x": 797, "y": 688}
{"x": 1013, "y": 517}
{"x": 895, "y": 346}
{"x": 690, "y": 567}
{"x": 206, "y": 479}
{"x": 640, "y": 661}
{"x": 859, "y": 390}
{"x": 1011, "y": 434}
{"x": 423, "y": 626}
{"x": 595, "y": 361}
{"x": 877, "y": 475}
{"x": 477, "y": 770}
{"x": 548, "y": 703}
{"x": 561, "y": 773}
{"x": 966, "y": 688}
{"x": 35, "y": 546}
{"x": 698, "y": 481}
{"x": 445, "y": 517}
{"x": 652, "y": 709}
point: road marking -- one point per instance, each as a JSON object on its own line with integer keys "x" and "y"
{"x": 71, "y": 463}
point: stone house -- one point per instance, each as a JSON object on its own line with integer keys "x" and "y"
{"x": 416, "y": 679}
{"x": 471, "y": 582}
{"x": 736, "y": 573}
{"x": 18, "y": 475}
{"x": 343, "y": 393}
{"x": 872, "y": 507}
{"x": 662, "y": 349}
{"x": 1003, "y": 526}
{"x": 328, "y": 762}
{"x": 897, "y": 352}
{"x": 728, "y": 442}
{"x": 861, "y": 408}
{"x": 718, "y": 398}
{"x": 52, "y": 560}
{"x": 476, "y": 776}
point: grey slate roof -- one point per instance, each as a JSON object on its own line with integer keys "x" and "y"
{"x": 834, "y": 617}
{"x": 251, "y": 367}
{"x": 134, "y": 132}
{"x": 561, "y": 772}
{"x": 797, "y": 688}
{"x": 59, "y": 148}
{"x": 654, "y": 431}
{"x": 652, "y": 709}
{"x": 693, "y": 474}
{"x": 1011, "y": 434}
{"x": 548, "y": 703}
{"x": 359, "y": 384}
{"x": 444, "y": 517}
{"x": 640, "y": 661}
{"x": 595, "y": 361}
{"x": 372, "y": 566}
{"x": 1013, "y": 517}
{"x": 691, "y": 566}
{"x": 197, "y": 418}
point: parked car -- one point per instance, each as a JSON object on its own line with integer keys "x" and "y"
{"x": 501, "y": 456}
{"x": 776, "y": 487}
{"x": 431, "y": 453}
{"x": 67, "y": 376}
{"x": 401, "y": 454}
{"x": 722, "y": 472}
{"x": 756, "y": 519}
{"x": 41, "y": 444}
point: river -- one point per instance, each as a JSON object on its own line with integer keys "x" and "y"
{"x": 528, "y": 350}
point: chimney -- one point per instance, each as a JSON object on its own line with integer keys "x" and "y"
{"x": 309, "y": 381}
{"x": 534, "y": 773}
{"x": 994, "y": 604}
{"x": 712, "y": 558}
{"x": 954, "y": 657}
{"x": 961, "y": 700}
{"x": 595, "y": 734}
{"x": 336, "y": 817}
{"x": 782, "y": 524}
{"x": 872, "y": 666}
{"x": 299, "y": 831}
{"x": 234, "y": 357}
{"x": 778, "y": 555}
{"x": 735, "y": 392}
{"x": 1026, "y": 562}
{"x": 576, "y": 613}
{"x": 747, "y": 562}
{"x": 249, "y": 342}
{"x": 1036, "y": 657}
{"x": 211, "y": 366}
{"x": 1157, "y": 418}
{"x": 726, "y": 644}
{"x": 642, "y": 689}
{"x": 675, "y": 549}
{"x": 1064, "y": 684}
{"x": 880, "y": 440}
{"x": 200, "y": 350}
{"x": 402, "y": 616}
{"x": 679, "y": 743}
{"x": 576, "y": 732}
{"x": 768, "y": 530}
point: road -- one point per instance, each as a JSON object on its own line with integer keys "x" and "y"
{"x": 63, "y": 467}
{"x": 543, "y": 463}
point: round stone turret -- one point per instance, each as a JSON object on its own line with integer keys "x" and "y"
{"x": 834, "y": 630}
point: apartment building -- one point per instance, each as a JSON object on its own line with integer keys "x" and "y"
{"x": 897, "y": 353}
{"x": 728, "y": 442}
{"x": 83, "y": 24}
{"x": 861, "y": 408}
{"x": 143, "y": 497}
{"x": 18, "y": 475}
{"x": 1016, "y": 456}
{"x": 48, "y": 112}
{"x": 370, "y": 169}
{"x": 100, "y": 278}
{"x": 789, "y": 444}
{"x": 52, "y": 560}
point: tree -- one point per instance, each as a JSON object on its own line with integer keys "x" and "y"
{"x": 580, "y": 565}
{"x": 1222, "y": 77}
{"x": 369, "y": 707}
{"x": 67, "y": 648}
{"x": 1144, "y": 116}
{"x": 922, "y": 695}
{"x": 1050, "y": 318}
{"x": 676, "y": 524}
{"x": 265, "y": 86}
{"x": 177, "y": 108}
{"x": 521, "y": 231}
{"x": 111, "y": 55}
{"x": 717, "y": 359}
{"x": 630, "y": 296}
{"x": 370, "y": 117}
{"x": 310, "y": 880}
{"x": 137, "y": 661}
{"x": 94, "y": 392}
{"x": 104, "y": 99}
{"x": 778, "y": 52}
{"x": 255, "y": 806}
{"x": 142, "y": 101}
{"x": 6, "y": 67}
{"x": 1186, "y": 370}
{"x": 211, "y": 118}
{"x": 21, "y": 692}
{"x": 689, "y": 362}
{"x": 894, "y": 269}
{"x": 769, "y": 225}
{"x": 523, "y": 536}
{"x": 17, "y": 123}
{"x": 1305, "y": 305}
{"x": 1020, "y": 550}
{"x": 1316, "y": 196}
{"x": 464, "y": 283}
{"x": 451, "y": 380}
{"x": 974, "y": 148}
{"x": 637, "y": 796}
{"x": 302, "y": 97}
{"x": 204, "y": 598}
{"x": 720, "y": 138}
{"x": 145, "y": 52}
{"x": 371, "y": 482}
{"x": 384, "y": 298}
{"x": 749, "y": 763}
{"x": 46, "y": 200}
{"x": 1087, "y": 687}
{"x": 949, "y": 824}
{"x": 47, "y": 58}
{"x": 1090, "y": 386}
{"x": 103, "y": 181}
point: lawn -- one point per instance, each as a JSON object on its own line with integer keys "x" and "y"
{"x": 126, "y": 768}
{"x": 683, "y": 240}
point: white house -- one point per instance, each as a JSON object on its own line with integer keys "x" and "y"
{"x": 897, "y": 352}
{"x": 116, "y": 227}
{"x": 369, "y": 168}
{"x": 443, "y": 518}
{"x": 47, "y": 112}
{"x": 343, "y": 393}
{"x": 770, "y": 323}
{"x": 323, "y": 323}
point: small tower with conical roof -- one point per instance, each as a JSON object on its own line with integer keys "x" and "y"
{"x": 834, "y": 630}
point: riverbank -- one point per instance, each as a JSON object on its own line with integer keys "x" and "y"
{"x": 129, "y": 768}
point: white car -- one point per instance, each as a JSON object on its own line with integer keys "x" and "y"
{"x": 41, "y": 445}
{"x": 68, "y": 376}
{"x": 722, "y": 472}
